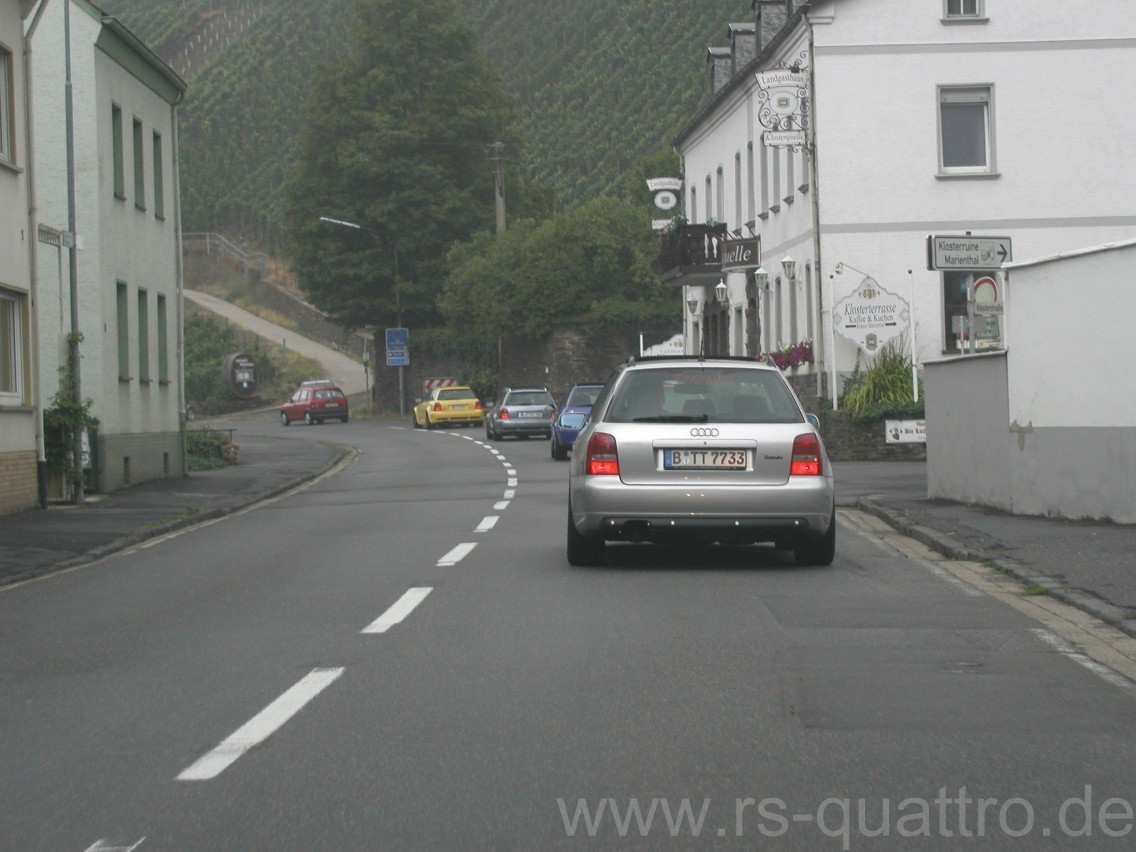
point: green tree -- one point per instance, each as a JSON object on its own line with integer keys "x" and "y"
{"x": 590, "y": 265}
{"x": 395, "y": 142}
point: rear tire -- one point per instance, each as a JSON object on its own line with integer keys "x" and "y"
{"x": 414, "y": 420}
{"x": 284, "y": 421}
{"x": 429, "y": 425}
{"x": 583, "y": 550}
{"x": 343, "y": 419}
{"x": 818, "y": 551}
{"x": 311, "y": 421}
{"x": 559, "y": 453}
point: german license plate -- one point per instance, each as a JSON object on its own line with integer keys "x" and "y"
{"x": 529, "y": 413}
{"x": 705, "y": 459}
{"x": 459, "y": 405}
{"x": 332, "y": 405}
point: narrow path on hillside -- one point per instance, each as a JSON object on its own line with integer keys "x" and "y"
{"x": 347, "y": 372}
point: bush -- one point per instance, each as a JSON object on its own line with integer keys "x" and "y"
{"x": 203, "y": 449}
{"x": 884, "y": 389}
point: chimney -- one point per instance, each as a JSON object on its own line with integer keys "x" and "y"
{"x": 719, "y": 62}
{"x": 771, "y": 17}
{"x": 743, "y": 45}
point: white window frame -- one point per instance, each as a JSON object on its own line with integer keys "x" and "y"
{"x": 7, "y": 108}
{"x": 968, "y": 95}
{"x": 964, "y": 10}
{"x": 12, "y": 339}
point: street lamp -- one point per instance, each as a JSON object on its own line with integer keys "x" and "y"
{"x": 721, "y": 292}
{"x": 761, "y": 278}
{"x": 789, "y": 267}
{"x": 343, "y": 223}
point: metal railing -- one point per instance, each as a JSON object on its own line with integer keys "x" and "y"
{"x": 216, "y": 244}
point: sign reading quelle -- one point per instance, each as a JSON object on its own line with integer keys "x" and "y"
{"x": 740, "y": 254}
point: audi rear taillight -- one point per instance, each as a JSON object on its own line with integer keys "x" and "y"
{"x": 503, "y": 414}
{"x": 602, "y": 458}
{"x": 477, "y": 405}
{"x": 806, "y": 456}
{"x": 437, "y": 406}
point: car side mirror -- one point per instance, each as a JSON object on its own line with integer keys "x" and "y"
{"x": 417, "y": 400}
{"x": 813, "y": 419}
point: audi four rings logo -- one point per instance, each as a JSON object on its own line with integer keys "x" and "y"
{"x": 699, "y": 432}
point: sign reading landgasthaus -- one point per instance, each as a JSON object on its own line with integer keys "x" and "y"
{"x": 968, "y": 253}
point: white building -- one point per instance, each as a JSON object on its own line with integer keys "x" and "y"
{"x": 19, "y": 431}
{"x": 126, "y": 226}
{"x": 995, "y": 117}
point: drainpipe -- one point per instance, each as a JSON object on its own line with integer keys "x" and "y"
{"x": 180, "y": 284}
{"x": 33, "y": 240}
{"x": 822, "y": 352}
{"x": 73, "y": 253}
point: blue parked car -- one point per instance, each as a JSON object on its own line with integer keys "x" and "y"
{"x": 570, "y": 418}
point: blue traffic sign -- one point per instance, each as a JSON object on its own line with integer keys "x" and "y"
{"x": 398, "y": 338}
{"x": 398, "y": 358}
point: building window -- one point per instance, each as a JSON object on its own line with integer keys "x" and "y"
{"x": 765, "y": 179}
{"x": 7, "y": 109}
{"x": 809, "y": 303}
{"x": 749, "y": 184}
{"x": 738, "y": 190}
{"x": 116, "y": 147}
{"x": 123, "y": 332}
{"x": 720, "y": 207}
{"x": 11, "y": 347}
{"x": 163, "y": 341}
{"x": 956, "y": 286}
{"x": 778, "y": 302}
{"x": 692, "y": 215}
{"x": 143, "y": 336}
{"x": 139, "y": 168}
{"x": 966, "y": 130}
{"x": 968, "y": 9}
{"x": 707, "y": 202}
{"x": 159, "y": 185}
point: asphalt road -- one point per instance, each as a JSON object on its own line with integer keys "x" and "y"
{"x": 399, "y": 657}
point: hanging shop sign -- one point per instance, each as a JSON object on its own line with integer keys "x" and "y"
{"x": 740, "y": 254}
{"x": 871, "y": 316}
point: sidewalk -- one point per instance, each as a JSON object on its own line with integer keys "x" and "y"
{"x": 1087, "y": 564}
{"x": 39, "y": 541}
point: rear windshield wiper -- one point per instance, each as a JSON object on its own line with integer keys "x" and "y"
{"x": 673, "y": 418}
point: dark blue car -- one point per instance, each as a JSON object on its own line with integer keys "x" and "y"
{"x": 571, "y": 416}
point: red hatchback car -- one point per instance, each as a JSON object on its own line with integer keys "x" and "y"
{"x": 315, "y": 402}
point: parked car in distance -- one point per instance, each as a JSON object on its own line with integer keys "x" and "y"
{"x": 522, "y": 412}
{"x": 451, "y": 406}
{"x": 700, "y": 451}
{"x": 315, "y": 402}
{"x": 571, "y": 416}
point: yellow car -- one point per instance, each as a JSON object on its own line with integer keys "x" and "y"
{"x": 452, "y": 406}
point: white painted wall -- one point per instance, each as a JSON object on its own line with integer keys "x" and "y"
{"x": 1048, "y": 428}
{"x": 1065, "y": 143}
{"x": 17, "y": 420}
{"x": 121, "y": 241}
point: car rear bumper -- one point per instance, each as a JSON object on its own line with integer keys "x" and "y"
{"x": 522, "y": 427}
{"x": 605, "y": 506}
{"x": 439, "y": 418}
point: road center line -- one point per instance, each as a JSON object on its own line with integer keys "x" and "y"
{"x": 399, "y": 610}
{"x": 261, "y": 726}
{"x": 501, "y": 505}
{"x": 487, "y": 523}
{"x": 458, "y": 553}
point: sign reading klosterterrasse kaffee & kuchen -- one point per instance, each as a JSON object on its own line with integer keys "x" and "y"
{"x": 871, "y": 316}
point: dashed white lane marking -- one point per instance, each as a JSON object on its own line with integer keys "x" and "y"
{"x": 113, "y": 846}
{"x": 487, "y": 523}
{"x": 1069, "y": 652}
{"x": 399, "y": 610}
{"x": 512, "y": 482}
{"x": 457, "y": 554}
{"x": 501, "y": 505}
{"x": 261, "y": 726}
{"x": 509, "y": 495}
{"x": 511, "y": 471}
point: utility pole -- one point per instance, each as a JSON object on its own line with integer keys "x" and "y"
{"x": 496, "y": 153}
